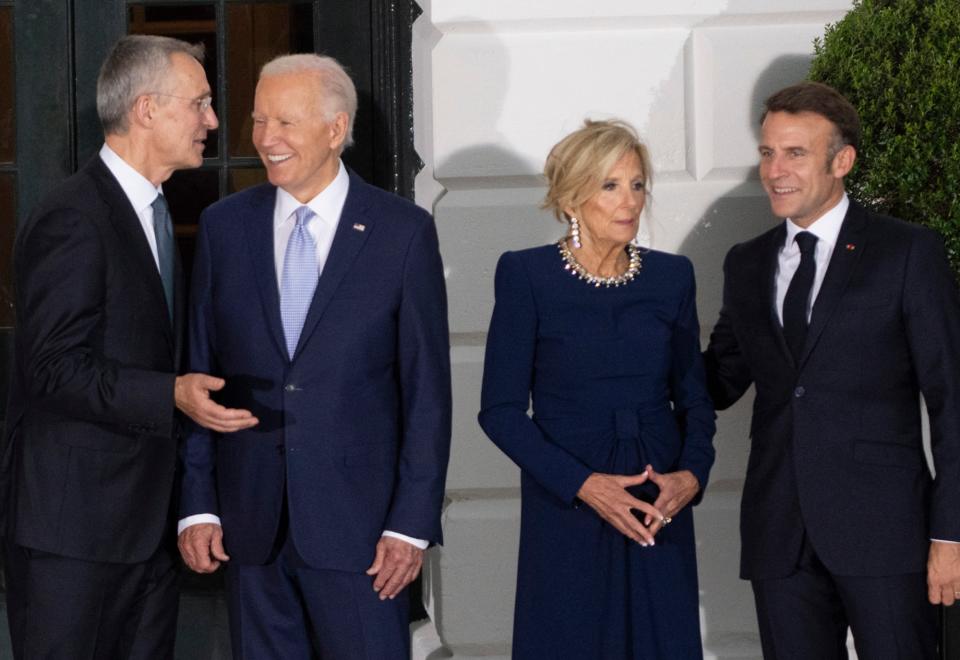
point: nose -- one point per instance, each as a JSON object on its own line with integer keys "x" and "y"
{"x": 633, "y": 200}
{"x": 210, "y": 119}
{"x": 771, "y": 167}
{"x": 264, "y": 134}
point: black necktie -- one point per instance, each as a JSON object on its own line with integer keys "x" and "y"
{"x": 163, "y": 231}
{"x": 798, "y": 295}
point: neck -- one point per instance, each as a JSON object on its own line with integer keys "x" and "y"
{"x": 137, "y": 156}
{"x": 603, "y": 259}
{"x": 307, "y": 192}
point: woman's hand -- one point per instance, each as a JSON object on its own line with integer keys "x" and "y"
{"x": 676, "y": 491}
{"x": 607, "y": 495}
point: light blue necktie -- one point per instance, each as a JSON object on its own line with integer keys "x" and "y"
{"x": 299, "y": 280}
{"x": 163, "y": 231}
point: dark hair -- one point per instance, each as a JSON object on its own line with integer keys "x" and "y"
{"x": 823, "y": 100}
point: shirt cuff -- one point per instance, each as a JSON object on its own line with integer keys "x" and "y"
{"x": 945, "y": 541}
{"x": 196, "y": 520}
{"x": 419, "y": 543}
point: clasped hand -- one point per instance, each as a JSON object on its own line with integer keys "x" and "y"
{"x": 607, "y": 495}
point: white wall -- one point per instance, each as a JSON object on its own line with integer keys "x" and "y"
{"x": 496, "y": 84}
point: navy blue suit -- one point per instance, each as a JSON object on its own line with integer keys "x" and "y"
{"x": 837, "y": 477}
{"x": 617, "y": 383}
{"x": 354, "y": 430}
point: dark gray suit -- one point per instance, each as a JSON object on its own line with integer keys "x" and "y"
{"x": 90, "y": 448}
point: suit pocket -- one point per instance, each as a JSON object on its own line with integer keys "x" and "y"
{"x": 892, "y": 454}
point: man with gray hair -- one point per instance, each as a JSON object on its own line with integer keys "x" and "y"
{"x": 90, "y": 449}
{"x": 321, "y": 300}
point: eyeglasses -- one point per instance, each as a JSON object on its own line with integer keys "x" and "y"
{"x": 201, "y": 105}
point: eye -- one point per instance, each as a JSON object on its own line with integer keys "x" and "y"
{"x": 766, "y": 153}
{"x": 204, "y": 104}
{"x": 639, "y": 186}
{"x": 608, "y": 185}
{"x": 797, "y": 153}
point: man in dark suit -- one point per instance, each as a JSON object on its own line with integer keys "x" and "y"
{"x": 321, "y": 300}
{"x": 841, "y": 318}
{"x": 90, "y": 449}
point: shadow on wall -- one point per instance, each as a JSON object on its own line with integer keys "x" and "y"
{"x": 740, "y": 214}
{"x": 476, "y": 234}
{"x": 743, "y": 212}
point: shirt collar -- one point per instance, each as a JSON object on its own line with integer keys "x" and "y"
{"x": 136, "y": 187}
{"x": 826, "y": 228}
{"x": 327, "y": 205}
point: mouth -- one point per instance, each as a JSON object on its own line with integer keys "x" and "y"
{"x": 781, "y": 190}
{"x": 278, "y": 158}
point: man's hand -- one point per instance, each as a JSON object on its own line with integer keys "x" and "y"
{"x": 192, "y": 396}
{"x": 201, "y": 547}
{"x": 943, "y": 573}
{"x": 607, "y": 495}
{"x": 395, "y": 565}
{"x": 676, "y": 491}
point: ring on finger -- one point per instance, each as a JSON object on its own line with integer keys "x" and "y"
{"x": 665, "y": 520}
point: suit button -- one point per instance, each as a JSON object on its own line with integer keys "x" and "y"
{"x": 291, "y": 388}
{"x": 799, "y": 391}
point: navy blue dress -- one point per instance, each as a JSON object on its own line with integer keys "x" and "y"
{"x": 617, "y": 381}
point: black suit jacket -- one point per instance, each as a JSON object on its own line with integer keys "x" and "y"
{"x": 836, "y": 437}
{"x": 90, "y": 450}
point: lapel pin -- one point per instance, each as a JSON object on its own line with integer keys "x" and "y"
{"x": 358, "y": 227}
{"x": 850, "y": 246}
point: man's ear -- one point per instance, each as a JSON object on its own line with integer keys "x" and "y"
{"x": 843, "y": 161}
{"x": 338, "y": 130}
{"x": 143, "y": 111}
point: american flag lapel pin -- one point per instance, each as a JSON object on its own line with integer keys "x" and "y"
{"x": 850, "y": 246}
{"x": 358, "y": 227}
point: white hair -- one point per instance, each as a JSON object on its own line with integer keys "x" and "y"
{"x": 337, "y": 92}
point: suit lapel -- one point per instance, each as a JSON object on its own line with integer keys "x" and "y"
{"x": 777, "y": 238}
{"x": 127, "y": 225}
{"x": 347, "y": 242}
{"x": 842, "y": 263}
{"x": 258, "y": 228}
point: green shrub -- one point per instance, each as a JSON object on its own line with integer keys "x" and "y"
{"x": 898, "y": 61}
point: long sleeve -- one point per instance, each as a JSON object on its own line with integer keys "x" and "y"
{"x": 197, "y": 454}
{"x": 688, "y": 388}
{"x": 424, "y": 373}
{"x": 507, "y": 381}
{"x": 727, "y": 372}
{"x": 62, "y": 274}
{"x": 932, "y": 322}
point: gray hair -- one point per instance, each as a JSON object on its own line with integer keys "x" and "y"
{"x": 137, "y": 64}
{"x": 337, "y": 91}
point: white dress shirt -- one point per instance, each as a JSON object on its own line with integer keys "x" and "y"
{"x": 328, "y": 206}
{"x": 138, "y": 190}
{"x": 826, "y": 228}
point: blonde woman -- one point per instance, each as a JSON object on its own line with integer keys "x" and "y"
{"x": 604, "y": 336}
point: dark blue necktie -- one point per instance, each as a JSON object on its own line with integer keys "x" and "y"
{"x": 163, "y": 231}
{"x": 798, "y": 295}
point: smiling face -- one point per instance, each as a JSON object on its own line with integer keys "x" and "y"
{"x": 297, "y": 145}
{"x": 611, "y": 217}
{"x": 801, "y": 179}
{"x": 181, "y": 126}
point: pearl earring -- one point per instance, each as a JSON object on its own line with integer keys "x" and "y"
{"x": 575, "y": 232}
